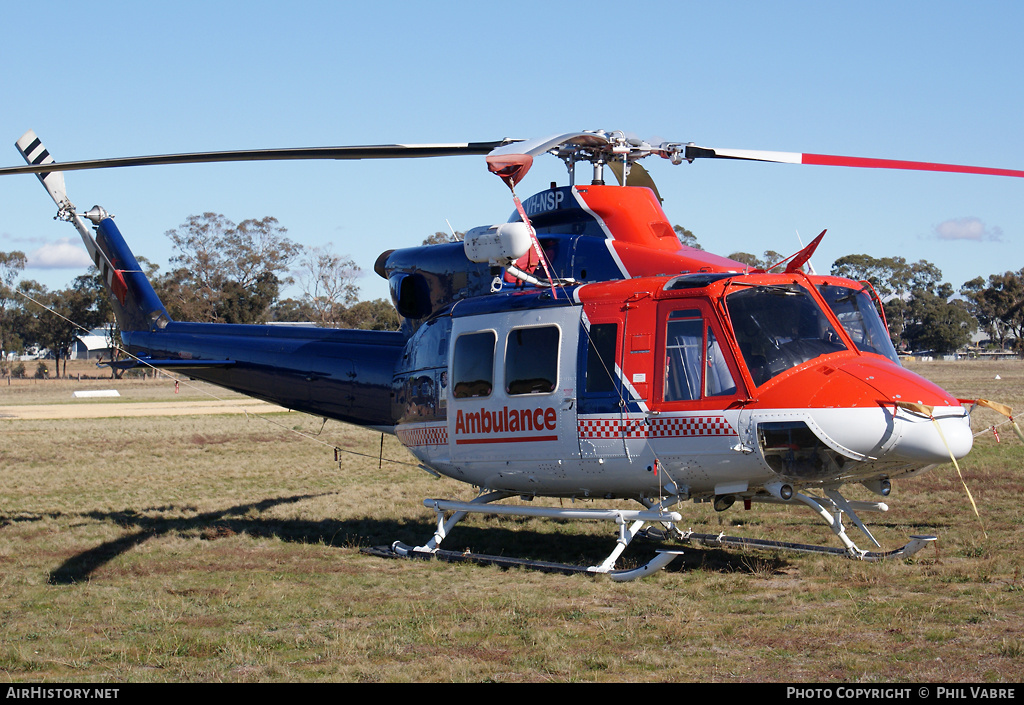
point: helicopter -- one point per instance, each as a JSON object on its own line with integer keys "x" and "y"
{"x": 579, "y": 351}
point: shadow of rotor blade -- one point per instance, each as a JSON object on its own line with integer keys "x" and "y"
{"x": 21, "y": 517}
{"x": 79, "y": 567}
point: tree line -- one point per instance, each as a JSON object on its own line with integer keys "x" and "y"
{"x": 235, "y": 273}
{"x": 221, "y": 272}
{"x": 921, "y": 311}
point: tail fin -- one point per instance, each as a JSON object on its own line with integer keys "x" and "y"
{"x": 136, "y": 306}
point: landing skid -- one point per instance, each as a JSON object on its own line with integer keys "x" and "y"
{"x": 401, "y": 550}
{"x": 631, "y": 524}
{"x": 831, "y": 508}
{"x": 915, "y": 544}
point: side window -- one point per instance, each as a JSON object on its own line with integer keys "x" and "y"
{"x": 531, "y": 360}
{"x": 695, "y": 365}
{"x": 601, "y": 358}
{"x": 684, "y": 342}
{"x": 473, "y": 365}
{"x": 718, "y": 380}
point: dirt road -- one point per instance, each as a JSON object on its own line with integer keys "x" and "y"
{"x": 99, "y": 410}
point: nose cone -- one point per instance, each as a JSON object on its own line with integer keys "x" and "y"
{"x": 896, "y": 434}
{"x": 931, "y": 440}
{"x": 924, "y": 423}
{"x": 879, "y": 414}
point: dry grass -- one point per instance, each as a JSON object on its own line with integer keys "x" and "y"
{"x": 224, "y": 548}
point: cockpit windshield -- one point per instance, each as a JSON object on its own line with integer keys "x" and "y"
{"x": 779, "y": 327}
{"x": 857, "y": 313}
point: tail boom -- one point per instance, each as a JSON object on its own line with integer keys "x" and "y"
{"x": 344, "y": 375}
{"x": 339, "y": 374}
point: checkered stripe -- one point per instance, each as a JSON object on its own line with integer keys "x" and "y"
{"x": 422, "y": 436}
{"x": 611, "y": 428}
{"x": 673, "y": 427}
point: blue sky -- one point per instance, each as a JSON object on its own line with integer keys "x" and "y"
{"x": 929, "y": 81}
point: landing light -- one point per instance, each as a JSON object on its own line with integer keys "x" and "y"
{"x": 723, "y": 502}
{"x": 879, "y": 487}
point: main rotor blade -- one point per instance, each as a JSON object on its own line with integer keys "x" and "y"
{"x": 695, "y": 152}
{"x": 540, "y": 145}
{"x": 381, "y": 151}
{"x": 512, "y": 161}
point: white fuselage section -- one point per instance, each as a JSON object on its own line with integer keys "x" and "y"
{"x": 531, "y": 438}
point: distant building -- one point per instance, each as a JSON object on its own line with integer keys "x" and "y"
{"x": 93, "y": 346}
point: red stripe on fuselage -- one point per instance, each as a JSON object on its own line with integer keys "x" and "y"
{"x": 522, "y": 439}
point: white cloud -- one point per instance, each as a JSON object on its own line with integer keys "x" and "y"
{"x": 61, "y": 254}
{"x": 19, "y": 242}
{"x": 969, "y": 228}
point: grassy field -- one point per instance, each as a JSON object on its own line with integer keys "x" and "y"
{"x": 227, "y": 548}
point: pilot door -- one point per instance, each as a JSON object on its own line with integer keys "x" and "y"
{"x": 513, "y": 386}
{"x": 696, "y": 369}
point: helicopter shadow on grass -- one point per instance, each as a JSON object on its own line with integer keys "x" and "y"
{"x": 153, "y": 522}
{"x": 581, "y": 549}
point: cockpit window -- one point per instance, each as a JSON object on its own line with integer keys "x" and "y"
{"x": 857, "y": 313}
{"x": 779, "y": 327}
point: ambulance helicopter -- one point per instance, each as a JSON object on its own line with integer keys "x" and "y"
{"x": 579, "y": 351}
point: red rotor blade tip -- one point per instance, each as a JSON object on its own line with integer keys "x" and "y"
{"x": 868, "y": 163}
